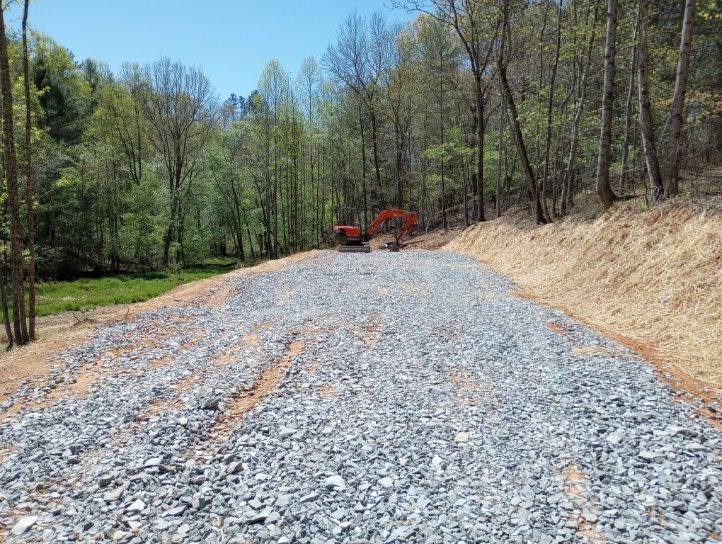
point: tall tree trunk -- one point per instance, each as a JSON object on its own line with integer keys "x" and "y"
{"x": 238, "y": 228}
{"x": 628, "y": 114}
{"x": 480, "y": 128}
{"x": 29, "y": 193}
{"x": 5, "y": 309}
{"x": 515, "y": 125}
{"x": 250, "y": 242}
{"x": 540, "y": 82}
{"x": 363, "y": 169}
{"x": 500, "y": 150}
{"x": 465, "y": 191}
{"x": 567, "y": 196}
{"x": 676, "y": 115}
{"x": 322, "y": 215}
{"x": 442, "y": 135}
{"x": 444, "y": 223}
{"x": 604, "y": 189}
{"x": 645, "y": 106}
{"x": 550, "y": 104}
{"x": 11, "y": 179}
{"x": 170, "y": 232}
{"x": 398, "y": 163}
{"x": 166, "y": 246}
{"x": 317, "y": 190}
{"x": 473, "y": 139}
{"x": 377, "y": 167}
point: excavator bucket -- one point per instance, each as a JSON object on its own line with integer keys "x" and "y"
{"x": 393, "y": 246}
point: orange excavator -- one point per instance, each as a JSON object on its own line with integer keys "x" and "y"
{"x": 354, "y": 240}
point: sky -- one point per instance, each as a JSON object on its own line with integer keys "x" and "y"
{"x": 230, "y": 40}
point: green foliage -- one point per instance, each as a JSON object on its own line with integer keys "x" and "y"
{"x": 65, "y": 98}
{"x": 86, "y": 293}
{"x": 453, "y": 150}
{"x": 142, "y": 226}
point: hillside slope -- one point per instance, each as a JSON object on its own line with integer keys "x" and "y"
{"x": 651, "y": 279}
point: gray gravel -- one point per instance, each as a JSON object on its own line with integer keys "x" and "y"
{"x": 426, "y": 405}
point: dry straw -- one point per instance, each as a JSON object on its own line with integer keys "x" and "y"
{"x": 649, "y": 278}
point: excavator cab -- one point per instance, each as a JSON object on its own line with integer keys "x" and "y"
{"x": 350, "y": 239}
{"x": 354, "y": 240}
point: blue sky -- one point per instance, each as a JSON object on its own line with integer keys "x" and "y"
{"x": 231, "y": 40}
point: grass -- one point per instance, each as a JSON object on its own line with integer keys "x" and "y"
{"x": 83, "y": 294}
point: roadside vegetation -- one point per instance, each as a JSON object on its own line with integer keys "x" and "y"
{"x": 86, "y": 293}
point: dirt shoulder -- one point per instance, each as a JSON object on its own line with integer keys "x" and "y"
{"x": 435, "y": 239}
{"x": 649, "y": 278}
{"x": 60, "y": 332}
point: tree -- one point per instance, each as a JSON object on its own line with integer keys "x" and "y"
{"x": 628, "y": 113}
{"x": 645, "y": 106}
{"x": 514, "y": 117}
{"x": 224, "y": 162}
{"x": 398, "y": 82}
{"x": 604, "y": 189}
{"x": 579, "y": 89}
{"x": 476, "y": 26}
{"x": 274, "y": 102}
{"x": 11, "y": 181}
{"x": 178, "y": 104}
{"x": 550, "y": 104}
{"x": 65, "y": 103}
{"x": 676, "y": 117}
{"x": 440, "y": 61}
{"x": 357, "y": 60}
{"x": 122, "y": 111}
{"x": 29, "y": 193}
{"x": 310, "y": 82}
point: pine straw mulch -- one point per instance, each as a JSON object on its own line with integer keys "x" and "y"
{"x": 649, "y": 278}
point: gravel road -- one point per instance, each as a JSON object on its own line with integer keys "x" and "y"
{"x": 388, "y": 397}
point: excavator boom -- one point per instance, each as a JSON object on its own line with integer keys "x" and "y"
{"x": 410, "y": 219}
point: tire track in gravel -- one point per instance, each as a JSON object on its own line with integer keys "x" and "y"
{"x": 361, "y": 398}
{"x": 267, "y": 382}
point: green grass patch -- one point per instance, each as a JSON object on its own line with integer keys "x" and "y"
{"x": 83, "y": 294}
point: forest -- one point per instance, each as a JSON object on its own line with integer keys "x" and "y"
{"x": 469, "y": 109}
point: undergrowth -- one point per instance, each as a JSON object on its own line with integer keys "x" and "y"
{"x": 87, "y": 293}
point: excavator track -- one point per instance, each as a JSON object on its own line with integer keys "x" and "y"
{"x": 364, "y": 248}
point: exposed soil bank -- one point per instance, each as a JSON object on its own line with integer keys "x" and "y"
{"x": 651, "y": 279}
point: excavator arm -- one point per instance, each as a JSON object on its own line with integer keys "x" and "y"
{"x": 410, "y": 219}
